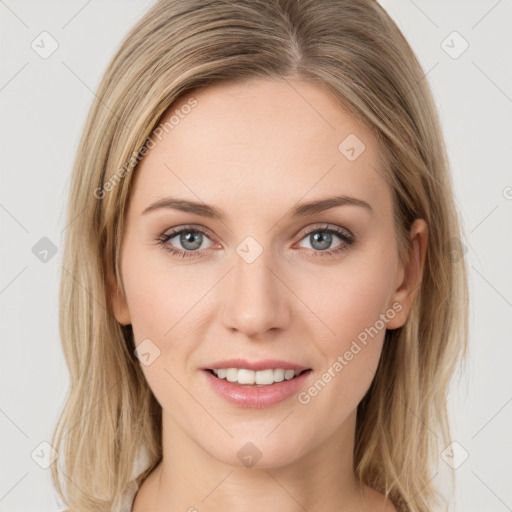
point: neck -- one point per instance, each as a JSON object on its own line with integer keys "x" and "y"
{"x": 190, "y": 478}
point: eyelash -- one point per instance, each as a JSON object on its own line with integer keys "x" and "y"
{"x": 346, "y": 238}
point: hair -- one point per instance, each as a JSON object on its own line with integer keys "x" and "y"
{"x": 109, "y": 430}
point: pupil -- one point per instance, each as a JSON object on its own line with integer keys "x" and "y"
{"x": 192, "y": 238}
{"x": 323, "y": 239}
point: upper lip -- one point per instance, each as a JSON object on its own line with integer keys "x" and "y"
{"x": 264, "y": 364}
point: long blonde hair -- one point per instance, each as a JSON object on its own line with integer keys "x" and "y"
{"x": 109, "y": 431}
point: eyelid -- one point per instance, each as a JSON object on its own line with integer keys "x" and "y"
{"x": 304, "y": 231}
{"x": 190, "y": 227}
{"x": 340, "y": 231}
{"x": 346, "y": 237}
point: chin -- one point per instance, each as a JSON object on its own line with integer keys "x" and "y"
{"x": 256, "y": 452}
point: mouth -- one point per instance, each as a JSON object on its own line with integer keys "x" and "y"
{"x": 260, "y": 388}
{"x": 256, "y": 378}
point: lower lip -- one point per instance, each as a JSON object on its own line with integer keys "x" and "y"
{"x": 256, "y": 397}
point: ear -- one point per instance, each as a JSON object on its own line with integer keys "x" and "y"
{"x": 119, "y": 304}
{"x": 410, "y": 273}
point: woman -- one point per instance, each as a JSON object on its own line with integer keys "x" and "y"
{"x": 263, "y": 304}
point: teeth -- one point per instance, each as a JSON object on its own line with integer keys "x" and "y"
{"x": 260, "y": 377}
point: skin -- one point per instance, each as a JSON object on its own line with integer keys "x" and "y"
{"x": 256, "y": 150}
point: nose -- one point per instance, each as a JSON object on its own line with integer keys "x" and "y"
{"x": 256, "y": 300}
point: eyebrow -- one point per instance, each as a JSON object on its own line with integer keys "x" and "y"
{"x": 301, "y": 210}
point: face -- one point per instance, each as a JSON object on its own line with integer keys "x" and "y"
{"x": 266, "y": 277}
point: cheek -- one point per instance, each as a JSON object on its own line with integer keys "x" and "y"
{"x": 161, "y": 304}
{"x": 159, "y": 296}
{"x": 350, "y": 361}
{"x": 353, "y": 304}
{"x": 166, "y": 308}
{"x": 350, "y": 299}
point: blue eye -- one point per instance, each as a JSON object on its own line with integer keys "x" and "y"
{"x": 320, "y": 240}
{"x": 190, "y": 239}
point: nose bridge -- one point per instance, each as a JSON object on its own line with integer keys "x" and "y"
{"x": 256, "y": 301}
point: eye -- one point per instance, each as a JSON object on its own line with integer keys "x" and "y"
{"x": 185, "y": 242}
{"x": 188, "y": 242}
{"x": 321, "y": 240}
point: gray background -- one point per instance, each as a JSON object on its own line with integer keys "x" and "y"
{"x": 44, "y": 102}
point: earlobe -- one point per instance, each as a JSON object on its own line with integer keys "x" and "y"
{"x": 119, "y": 304}
{"x": 411, "y": 273}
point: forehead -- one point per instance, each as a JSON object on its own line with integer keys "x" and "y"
{"x": 261, "y": 143}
